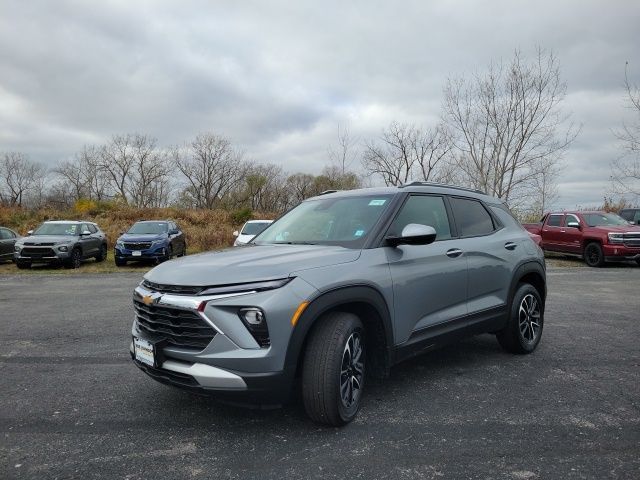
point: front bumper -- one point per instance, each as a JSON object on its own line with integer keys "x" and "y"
{"x": 613, "y": 253}
{"x": 152, "y": 253}
{"x": 232, "y": 366}
{"x": 59, "y": 257}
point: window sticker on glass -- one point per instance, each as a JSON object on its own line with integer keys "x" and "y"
{"x": 358, "y": 233}
{"x": 377, "y": 202}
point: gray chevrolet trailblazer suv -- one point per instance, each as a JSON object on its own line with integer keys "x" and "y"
{"x": 338, "y": 290}
{"x": 66, "y": 242}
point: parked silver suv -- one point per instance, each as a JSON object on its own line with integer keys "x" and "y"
{"x": 338, "y": 290}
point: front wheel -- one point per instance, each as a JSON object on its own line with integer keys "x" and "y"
{"x": 593, "y": 255}
{"x": 23, "y": 265}
{"x": 75, "y": 260}
{"x": 334, "y": 369}
{"x": 638, "y": 262}
{"x": 526, "y": 319}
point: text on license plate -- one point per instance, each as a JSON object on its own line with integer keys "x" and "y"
{"x": 144, "y": 351}
{"x": 136, "y": 253}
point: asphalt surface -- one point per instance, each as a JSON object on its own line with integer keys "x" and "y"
{"x": 72, "y": 405}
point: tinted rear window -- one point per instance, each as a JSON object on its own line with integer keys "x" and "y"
{"x": 471, "y": 217}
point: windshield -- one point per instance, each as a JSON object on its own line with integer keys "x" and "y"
{"x": 345, "y": 221}
{"x": 71, "y": 229}
{"x": 143, "y": 228}
{"x": 601, "y": 219}
{"x": 254, "y": 228}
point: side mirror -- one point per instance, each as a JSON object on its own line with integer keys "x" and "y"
{"x": 174, "y": 231}
{"x": 414, "y": 234}
{"x": 85, "y": 233}
{"x": 235, "y": 234}
{"x": 122, "y": 232}
{"x": 29, "y": 232}
{"x": 573, "y": 225}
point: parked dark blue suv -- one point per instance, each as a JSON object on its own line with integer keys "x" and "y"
{"x": 156, "y": 240}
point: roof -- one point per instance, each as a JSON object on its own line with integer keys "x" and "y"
{"x": 415, "y": 187}
{"x": 69, "y": 221}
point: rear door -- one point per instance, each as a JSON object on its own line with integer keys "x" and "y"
{"x": 7, "y": 240}
{"x": 492, "y": 252}
{"x": 551, "y": 231}
{"x": 90, "y": 243}
{"x": 429, "y": 281}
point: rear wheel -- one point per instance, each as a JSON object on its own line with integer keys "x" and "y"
{"x": 102, "y": 255}
{"x": 593, "y": 255}
{"x": 334, "y": 369}
{"x": 638, "y": 262}
{"x": 526, "y": 319}
{"x": 75, "y": 260}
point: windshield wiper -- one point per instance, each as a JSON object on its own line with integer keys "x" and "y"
{"x": 294, "y": 243}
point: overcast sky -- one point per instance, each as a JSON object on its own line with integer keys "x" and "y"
{"x": 278, "y": 78}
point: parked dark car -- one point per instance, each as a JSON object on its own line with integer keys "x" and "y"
{"x": 154, "y": 240}
{"x": 631, "y": 214}
{"x": 7, "y": 241}
{"x": 61, "y": 242}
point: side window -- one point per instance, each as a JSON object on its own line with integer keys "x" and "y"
{"x": 471, "y": 217}
{"x": 424, "y": 210}
{"x": 627, "y": 214}
{"x": 555, "y": 220}
{"x": 92, "y": 228}
{"x": 571, "y": 218}
{"x": 5, "y": 234}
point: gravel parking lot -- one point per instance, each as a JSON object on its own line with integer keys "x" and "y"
{"x": 74, "y": 406}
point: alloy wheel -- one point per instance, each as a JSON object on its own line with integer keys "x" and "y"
{"x": 529, "y": 318}
{"x": 352, "y": 370}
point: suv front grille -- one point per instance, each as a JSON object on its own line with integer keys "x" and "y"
{"x": 37, "y": 252}
{"x": 175, "y": 289}
{"x": 137, "y": 245}
{"x": 180, "y": 328}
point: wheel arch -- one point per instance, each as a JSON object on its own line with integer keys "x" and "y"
{"x": 532, "y": 273}
{"x": 362, "y": 300}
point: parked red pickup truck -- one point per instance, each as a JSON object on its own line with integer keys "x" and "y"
{"x": 598, "y": 237}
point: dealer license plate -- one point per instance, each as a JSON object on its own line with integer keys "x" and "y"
{"x": 144, "y": 351}
{"x": 136, "y": 253}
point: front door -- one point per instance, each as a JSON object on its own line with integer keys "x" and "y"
{"x": 429, "y": 281}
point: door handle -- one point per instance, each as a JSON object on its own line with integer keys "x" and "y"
{"x": 454, "y": 252}
{"x": 510, "y": 245}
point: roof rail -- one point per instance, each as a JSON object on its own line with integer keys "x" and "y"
{"x": 443, "y": 185}
{"x": 327, "y": 192}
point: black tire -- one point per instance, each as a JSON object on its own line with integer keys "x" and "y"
{"x": 184, "y": 251}
{"x": 593, "y": 255}
{"x": 638, "y": 262}
{"x": 102, "y": 255}
{"x": 120, "y": 262}
{"x": 22, "y": 265}
{"x": 75, "y": 260}
{"x": 334, "y": 363}
{"x": 526, "y": 321}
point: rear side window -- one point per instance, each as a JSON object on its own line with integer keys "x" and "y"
{"x": 471, "y": 217}
{"x": 555, "y": 220}
{"x": 423, "y": 210}
{"x": 92, "y": 228}
{"x": 6, "y": 234}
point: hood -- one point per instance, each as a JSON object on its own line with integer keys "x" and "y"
{"x": 33, "y": 239}
{"x": 619, "y": 228}
{"x": 141, "y": 237}
{"x": 248, "y": 264}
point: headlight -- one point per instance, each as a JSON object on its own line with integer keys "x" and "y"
{"x": 158, "y": 242}
{"x": 17, "y": 247}
{"x": 120, "y": 244}
{"x": 247, "y": 287}
{"x": 616, "y": 237}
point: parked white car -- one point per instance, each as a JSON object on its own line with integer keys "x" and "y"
{"x": 250, "y": 230}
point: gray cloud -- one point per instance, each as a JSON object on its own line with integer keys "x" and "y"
{"x": 278, "y": 77}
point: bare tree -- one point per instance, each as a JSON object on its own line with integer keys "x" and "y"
{"x": 405, "y": 152}
{"x": 116, "y": 161}
{"x": 344, "y": 154}
{"x": 83, "y": 176}
{"x": 211, "y": 167}
{"x": 18, "y": 176}
{"x": 148, "y": 183}
{"x": 300, "y": 186}
{"x": 625, "y": 171}
{"x": 507, "y": 124}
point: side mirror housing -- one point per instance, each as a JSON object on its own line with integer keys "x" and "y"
{"x": 174, "y": 231}
{"x": 29, "y": 232}
{"x": 414, "y": 234}
{"x": 235, "y": 233}
{"x": 85, "y": 233}
{"x": 573, "y": 225}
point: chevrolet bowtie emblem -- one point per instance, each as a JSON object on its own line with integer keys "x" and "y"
{"x": 147, "y": 299}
